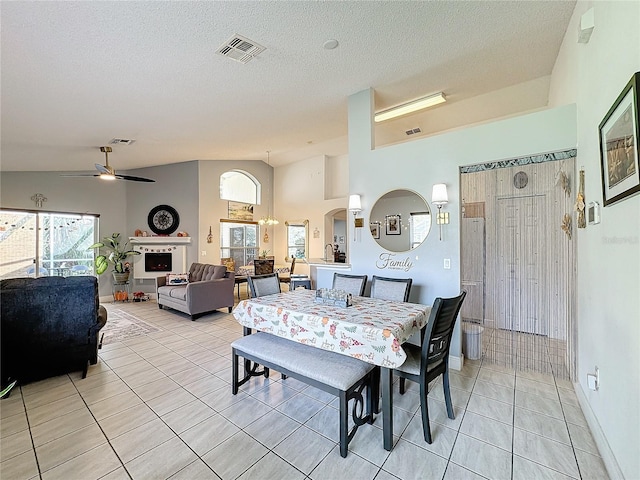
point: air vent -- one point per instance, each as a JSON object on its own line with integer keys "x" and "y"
{"x": 121, "y": 141}
{"x": 413, "y": 131}
{"x": 240, "y": 49}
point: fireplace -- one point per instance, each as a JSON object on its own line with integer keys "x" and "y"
{"x": 159, "y": 256}
{"x": 157, "y": 262}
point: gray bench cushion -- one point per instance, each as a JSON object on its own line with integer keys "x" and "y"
{"x": 333, "y": 369}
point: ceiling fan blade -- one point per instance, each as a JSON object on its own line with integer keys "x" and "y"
{"x": 79, "y": 175}
{"x": 102, "y": 169}
{"x": 134, "y": 179}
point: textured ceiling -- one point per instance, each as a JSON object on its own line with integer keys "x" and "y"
{"x": 77, "y": 74}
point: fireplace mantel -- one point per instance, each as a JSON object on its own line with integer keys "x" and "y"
{"x": 176, "y": 246}
{"x": 159, "y": 240}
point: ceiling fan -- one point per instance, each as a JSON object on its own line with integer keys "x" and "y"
{"x": 107, "y": 172}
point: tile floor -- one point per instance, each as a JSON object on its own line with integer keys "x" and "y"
{"x": 160, "y": 406}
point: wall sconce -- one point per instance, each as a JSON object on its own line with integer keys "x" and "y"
{"x": 439, "y": 198}
{"x": 355, "y": 207}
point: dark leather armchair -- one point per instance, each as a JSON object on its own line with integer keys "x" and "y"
{"x": 50, "y": 326}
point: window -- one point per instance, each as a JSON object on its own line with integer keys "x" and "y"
{"x": 419, "y": 224}
{"x": 239, "y": 241}
{"x": 297, "y": 238}
{"x": 239, "y": 186}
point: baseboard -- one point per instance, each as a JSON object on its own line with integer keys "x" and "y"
{"x": 608, "y": 458}
{"x": 456, "y": 363}
{"x": 109, "y": 298}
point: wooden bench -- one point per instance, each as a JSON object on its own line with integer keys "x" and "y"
{"x": 340, "y": 375}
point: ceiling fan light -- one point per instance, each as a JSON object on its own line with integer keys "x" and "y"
{"x": 107, "y": 176}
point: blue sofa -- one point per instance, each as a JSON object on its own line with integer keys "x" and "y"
{"x": 50, "y": 326}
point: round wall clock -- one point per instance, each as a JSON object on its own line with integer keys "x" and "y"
{"x": 163, "y": 220}
{"x": 520, "y": 180}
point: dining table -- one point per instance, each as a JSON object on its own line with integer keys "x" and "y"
{"x": 372, "y": 330}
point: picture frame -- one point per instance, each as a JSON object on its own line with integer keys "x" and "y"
{"x": 240, "y": 211}
{"x": 375, "y": 229}
{"x": 393, "y": 224}
{"x": 619, "y": 150}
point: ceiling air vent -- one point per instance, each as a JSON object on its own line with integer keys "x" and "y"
{"x": 240, "y": 49}
{"x": 413, "y": 131}
{"x": 121, "y": 141}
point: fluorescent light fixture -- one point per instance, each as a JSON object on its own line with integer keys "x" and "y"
{"x": 410, "y": 107}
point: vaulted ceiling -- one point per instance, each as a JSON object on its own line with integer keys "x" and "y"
{"x": 76, "y": 75}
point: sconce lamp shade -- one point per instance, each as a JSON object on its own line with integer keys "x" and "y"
{"x": 354, "y": 203}
{"x": 439, "y": 195}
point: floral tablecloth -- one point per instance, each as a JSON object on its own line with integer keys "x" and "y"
{"x": 247, "y": 270}
{"x": 372, "y": 330}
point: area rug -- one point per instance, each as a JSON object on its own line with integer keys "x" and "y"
{"x": 122, "y": 325}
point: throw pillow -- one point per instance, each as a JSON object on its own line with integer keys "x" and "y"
{"x": 219, "y": 271}
{"x": 177, "y": 279}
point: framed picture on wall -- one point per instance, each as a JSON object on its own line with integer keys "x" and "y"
{"x": 619, "y": 150}
{"x": 375, "y": 229}
{"x": 393, "y": 224}
{"x": 240, "y": 211}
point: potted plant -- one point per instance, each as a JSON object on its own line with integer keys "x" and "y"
{"x": 264, "y": 254}
{"x": 115, "y": 254}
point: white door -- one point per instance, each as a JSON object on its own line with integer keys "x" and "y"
{"x": 523, "y": 297}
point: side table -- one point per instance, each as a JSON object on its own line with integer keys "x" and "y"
{"x": 121, "y": 291}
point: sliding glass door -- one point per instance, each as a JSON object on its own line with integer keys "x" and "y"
{"x": 36, "y": 244}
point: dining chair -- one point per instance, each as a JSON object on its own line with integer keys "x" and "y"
{"x": 261, "y": 285}
{"x": 263, "y": 266}
{"x": 80, "y": 270}
{"x": 286, "y": 278}
{"x": 396, "y": 289}
{"x": 353, "y": 284}
{"x": 230, "y": 263}
{"x": 43, "y": 272}
{"x": 427, "y": 362}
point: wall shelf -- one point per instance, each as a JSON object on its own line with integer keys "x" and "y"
{"x": 159, "y": 240}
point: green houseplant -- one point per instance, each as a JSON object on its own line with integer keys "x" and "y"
{"x": 116, "y": 254}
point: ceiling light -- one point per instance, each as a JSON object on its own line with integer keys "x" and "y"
{"x": 330, "y": 44}
{"x": 107, "y": 176}
{"x": 268, "y": 220}
{"x": 410, "y": 107}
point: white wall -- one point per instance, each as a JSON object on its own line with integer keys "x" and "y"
{"x": 418, "y": 165}
{"x": 211, "y": 208}
{"x": 299, "y": 194}
{"x": 608, "y": 305}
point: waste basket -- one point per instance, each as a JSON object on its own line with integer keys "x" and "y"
{"x": 472, "y": 340}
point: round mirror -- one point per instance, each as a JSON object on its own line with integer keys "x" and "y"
{"x": 400, "y": 220}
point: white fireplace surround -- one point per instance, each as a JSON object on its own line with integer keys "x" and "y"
{"x": 177, "y": 246}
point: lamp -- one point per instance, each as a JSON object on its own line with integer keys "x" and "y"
{"x": 354, "y": 204}
{"x": 268, "y": 220}
{"x": 355, "y": 207}
{"x": 410, "y": 107}
{"x": 439, "y": 198}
